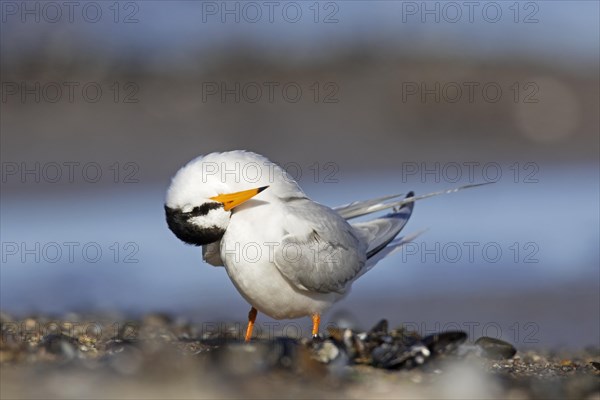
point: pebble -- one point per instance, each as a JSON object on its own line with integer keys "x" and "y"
{"x": 342, "y": 353}
{"x": 495, "y": 349}
{"x": 326, "y": 352}
{"x": 59, "y": 344}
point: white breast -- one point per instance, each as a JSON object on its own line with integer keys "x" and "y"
{"x": 247, "y": 250}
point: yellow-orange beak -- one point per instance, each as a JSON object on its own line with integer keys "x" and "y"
{"x": 231, "y": 200}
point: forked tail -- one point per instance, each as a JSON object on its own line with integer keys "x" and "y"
{"x": 380, "y": 233}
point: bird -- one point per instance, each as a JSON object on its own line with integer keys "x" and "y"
{"x": 287, "y": 255}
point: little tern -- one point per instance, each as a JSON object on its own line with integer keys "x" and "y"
{"x": 287, "y": 255}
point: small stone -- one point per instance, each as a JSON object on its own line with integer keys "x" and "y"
{"x": 380, "y": 328}
{"x": 495, "y": 349}
{"x": 326, "y": 352}
{"x": 445, "y": 342}
{"x": 86, "y": 340}
{"x": 355, "y": 347}
{"x": 394, "y": 356}
{"x": 59, "y": 344}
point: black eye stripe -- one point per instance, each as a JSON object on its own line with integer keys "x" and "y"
{"x": 203, "y": 209}
{"x": 179, "y": 223}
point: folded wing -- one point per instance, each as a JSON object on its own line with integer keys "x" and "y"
{"x": 320, "y": 252}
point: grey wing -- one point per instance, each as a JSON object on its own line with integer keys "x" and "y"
{"x": 380, "y": 233}
{"x": 377, "y": 233}
{"x": 320, "y": 251}
{"x": 360, "y": 208}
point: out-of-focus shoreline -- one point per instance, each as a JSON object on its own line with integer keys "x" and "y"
{"x": 167, "y": 356}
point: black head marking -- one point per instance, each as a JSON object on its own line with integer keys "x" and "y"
{"x": 179, "y": 224}
{"x": 203, "y": 209}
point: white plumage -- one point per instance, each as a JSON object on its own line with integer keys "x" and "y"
{"x": 287, "y": 255}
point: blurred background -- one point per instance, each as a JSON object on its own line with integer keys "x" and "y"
{"x": 102, "y": 102}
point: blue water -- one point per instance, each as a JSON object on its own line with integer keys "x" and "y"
{"x": 554, "y": 222}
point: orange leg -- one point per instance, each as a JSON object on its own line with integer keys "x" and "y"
{"x": 316, "y": 320}
{"x": 251, "y": 318}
